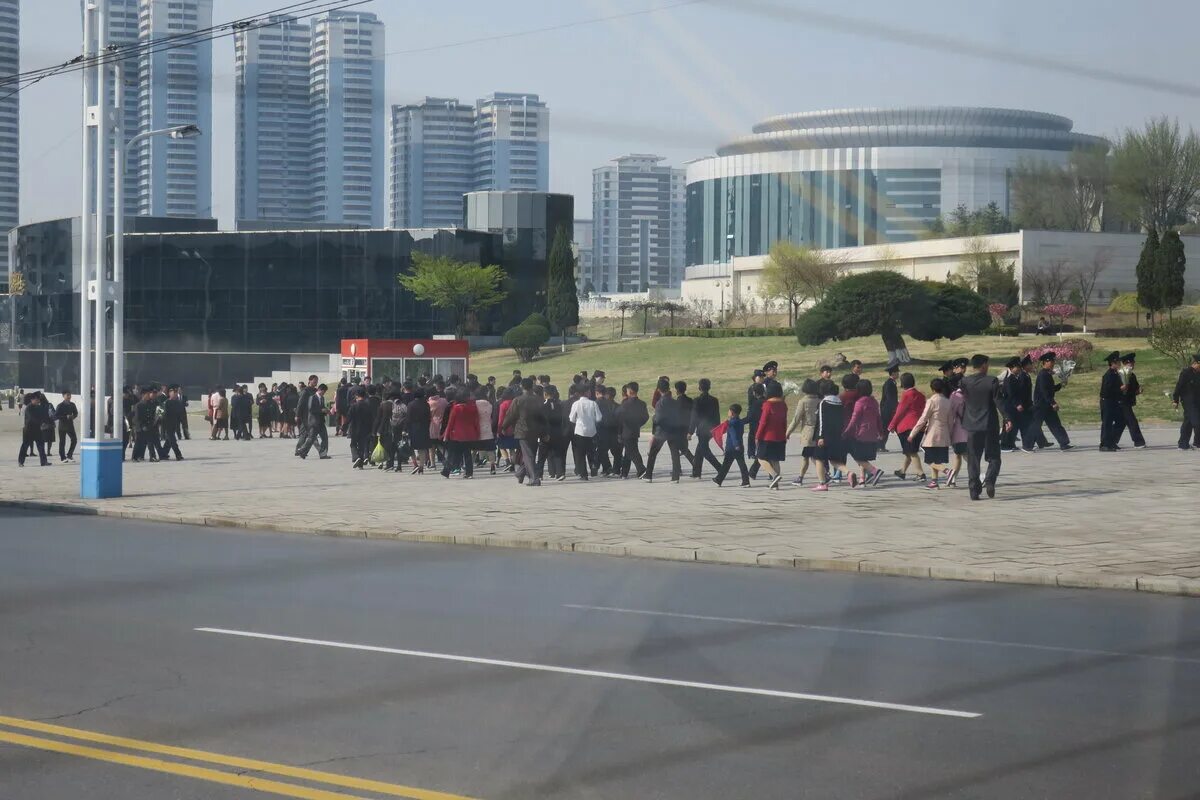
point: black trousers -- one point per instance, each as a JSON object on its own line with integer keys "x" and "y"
{"x": 583, "y": 452}
{"x": 1129, "y": 421}
{"x": 142, "y": 441}
{"x": 66, "y": 431}
{"x": 360, "y": 446}
{"x": 732, "y": 457}
{"x": 554, "y": 454}
{"x": 608, "y": 451}
{"x": 1020, "y": 425}
{"x": 677, "y": 451}
{"x": 631, "y": 453}
{"x": 1190, "y": 429}
{"x": 318, "y": 435}
{"x": 527, "y": 465}
{"x": 459, "y": 455}
{"x": 704, "y": 453}
{"x": 30, "y": 440}
{"x": 170, "y": 445}
{"x": 1044, "y": 415}
{"x": 1112, "y": 422}
{"x": 982, "y": 445}
{"x": 182, "y": 432}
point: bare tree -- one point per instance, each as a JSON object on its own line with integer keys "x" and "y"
{"x": 1070, "y": 197}
{"x": 1087, "y": 275}
{"x": 1050, "y": 281}
{"x": 797, "y": 275}
{"x": 1156, "y": 172}
{"x": 702, "y": 312}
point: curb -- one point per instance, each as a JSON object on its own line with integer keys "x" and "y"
{"x": 1153, "y": 584}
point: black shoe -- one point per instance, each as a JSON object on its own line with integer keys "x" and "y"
{"x": 990, "y": 489}
{"x": 717, "y": 482}
{"x": 1064, "y": 448}
{"x": 974, "y": 495}
{"x": 1185, "y": 447}
{"x": 326, "y": 458}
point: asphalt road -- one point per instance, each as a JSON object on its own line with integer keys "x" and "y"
{"x": 509, "y": 674}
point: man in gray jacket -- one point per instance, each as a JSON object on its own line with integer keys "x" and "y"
{"x": 528, "y": 420}
{"x": 981, "y": 420}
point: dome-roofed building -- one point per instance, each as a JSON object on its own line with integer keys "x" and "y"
{"x": 854, "y": 177}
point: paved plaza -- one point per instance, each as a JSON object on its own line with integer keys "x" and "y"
{"x": 1082, "y": 518}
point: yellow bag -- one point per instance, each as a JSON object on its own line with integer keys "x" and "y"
{"x": 378, "y": 455}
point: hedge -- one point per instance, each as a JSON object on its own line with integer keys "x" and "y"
{"x": 1003, "y": 330}
{"x": 726, "y": 333}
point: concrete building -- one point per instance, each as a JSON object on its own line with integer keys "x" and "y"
{"x": 585, "y": 234}
{"x": 638, "y": 208}
{"x": 174, "y": 88}
{"x": 860, "y": 177}
{"x": 122, "y": 23}
{"x": 10, "y": 125}
{"x": 346, "y": 85}
{"x": 274, "y": 122}
{"x": 512, "y": 143}
{"x": 441, "y": 149}
{"x": 433, "y": 162}
{"x": 1030, "y": 252}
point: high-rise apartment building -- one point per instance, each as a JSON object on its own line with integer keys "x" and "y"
{"x": 274, "y": 122}
{"x": 512, "y": 143}
{"x": 10, "y": 126}
{"x": 346, "y": 90}
{"x": 441, "y": 149}
{"x": 433, "y": 166}
{"x": 174, "y": 88}
{"x": 122, "y": 22}
{"x": 638, "y": 206}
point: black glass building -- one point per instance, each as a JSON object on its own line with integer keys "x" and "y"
{"x": 205, "y": 307}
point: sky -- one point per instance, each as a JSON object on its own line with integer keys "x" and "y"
{"x": 681, "y": 80}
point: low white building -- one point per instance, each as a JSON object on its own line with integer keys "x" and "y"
{"x": 937, "y": 259}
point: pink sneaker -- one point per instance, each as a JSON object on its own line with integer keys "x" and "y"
{"x": 821, "y": 487}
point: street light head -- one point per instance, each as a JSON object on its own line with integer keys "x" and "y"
{"x": 185, "y": 132}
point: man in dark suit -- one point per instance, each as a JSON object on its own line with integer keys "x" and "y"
{"x": 981, "y": 420}
{"x": 1130, "y": 389}
{"x": 306, "y": 394}
{"x": 1045, "y": 407}
{"x": 1186, "y": 397}
{"x": 145, "y": 437}
{"x": 631, "y": 417}
{"x": 1111, "y": 416}
{"x": 65, "y": 414}
{"x": 172, "y": 420}
{"x": 317, "y": 433}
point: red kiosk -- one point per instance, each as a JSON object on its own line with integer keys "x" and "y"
{"x": 404, "y": 359}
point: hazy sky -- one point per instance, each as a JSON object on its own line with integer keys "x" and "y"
{"x": 680, "y": 80}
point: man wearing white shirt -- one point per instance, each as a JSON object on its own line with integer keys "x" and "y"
{"x": 586, "y": 416}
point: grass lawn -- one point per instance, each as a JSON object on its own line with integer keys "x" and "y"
{"x": 728, "y": 363}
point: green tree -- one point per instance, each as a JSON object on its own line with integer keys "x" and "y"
{"x": 797, "y": 274}
{"x": 465, "y": 290}
{"x": 562, "y": 302}
{"x": 1069, "y": 198}
{"x": 1172, "y": 263}
{"x": 983, "y": 271}
{"x": 526, "y": 340}
{"x": 878, "y": 302}
{"x": 1156, "y": 175}
{"x": 539, "y": 320}
{"x": 1177, "y": 339}
{"x": 956, "y": 312}
{"x": 1149, "y": 284}
{"x": 964, "y": 222}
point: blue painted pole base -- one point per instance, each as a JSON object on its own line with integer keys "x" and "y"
{"x": 101, "y": 469}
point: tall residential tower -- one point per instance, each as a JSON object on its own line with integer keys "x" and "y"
{"x": 639, "y": 210}
{"x": 512, "y": 143}
{"x": 346, "y": 90}
{"x": 432, "y": 163}
{"x": 175, "y": 88}
{"x": 10, "y": 125}
{"x": 274, "y": 122}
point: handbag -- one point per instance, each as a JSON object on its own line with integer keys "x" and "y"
{"x": 378, "y": 455}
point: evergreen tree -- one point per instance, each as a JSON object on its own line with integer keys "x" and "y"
{"x": 562, "y": 302}
{"x": 1149, "y": 289}
{"x": 1172, "y": 262}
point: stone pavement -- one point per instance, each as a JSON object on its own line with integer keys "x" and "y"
{"x": 1081, "y": 519}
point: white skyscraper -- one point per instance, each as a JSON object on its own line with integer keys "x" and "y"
{"x": 10, "y": 123}
{"x": 433, "y": 164}
{"x": 122, "y": 22}
{"x": 346, "y": 90}
{"x": 274, "y": 122}
{"x": 441, "y": 149}
{"x": 639, "y": 207}
{"x": 175, "y": 88}
{"x": 512, "y": 143}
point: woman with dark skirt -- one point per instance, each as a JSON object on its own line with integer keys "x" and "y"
{"x": 771, "y": 434}
{"x": 831, "y": 447}
{"x": 912, "y": 404}
{"x": 264, "y": 408}
{"x": 419, "y": 420}
{"x": 936, "y": 425}
{"x": 862, "y": 431}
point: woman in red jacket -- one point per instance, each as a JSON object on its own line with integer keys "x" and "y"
{"x": 462, "y": 430}
{"x": 772, "y": 433}
{"x": 912, "y": 403}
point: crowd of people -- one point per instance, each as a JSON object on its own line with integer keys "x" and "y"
{"x": 528, "y": 427}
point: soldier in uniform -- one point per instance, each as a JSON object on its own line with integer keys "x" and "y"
{"x": 1110, "y": 404}
{"x": 1130, "y": 389}
{"x": 1045, "y": 407}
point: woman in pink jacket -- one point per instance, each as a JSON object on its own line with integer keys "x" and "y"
{"x": 862, "y": 433}
{"x": 937, "y": 425}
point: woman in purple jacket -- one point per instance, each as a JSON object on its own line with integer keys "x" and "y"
{"x": 862, "y": 433}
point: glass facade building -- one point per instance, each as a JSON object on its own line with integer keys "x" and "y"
{"x": 526, "y": 223}
{"x": 833, "y": 179}
{"x": 204, "y": 307}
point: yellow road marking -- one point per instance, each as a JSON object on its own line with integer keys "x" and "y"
{"x": 257, "y": 784}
